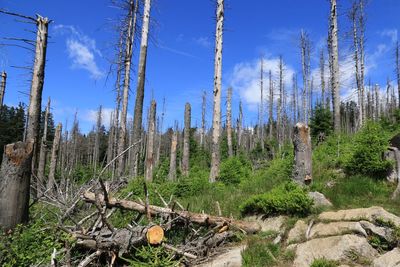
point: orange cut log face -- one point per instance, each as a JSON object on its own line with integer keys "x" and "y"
{"x": 155, "y": 235}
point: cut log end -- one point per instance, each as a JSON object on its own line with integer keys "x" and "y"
{"x": 155, "y": 235}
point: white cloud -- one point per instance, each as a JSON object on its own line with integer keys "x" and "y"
{"x": 391, "y": 33}
{"x": 81, "y": 50}
{"x": 203, "y": 41}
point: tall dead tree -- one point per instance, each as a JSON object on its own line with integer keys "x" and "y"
{"x": 138, "y": 111}
{"x": 322, "y": 75}
{"x": 305, "y": 46}
{"x": 203, "y": 119}
{"x": 216, "y": 125}
{"x": 186, "y": 140}
{"x": 261, "y": 123}
{"x": 334, "y": 64}
{"x": 229, "y": 122}
{"x": 398, "y": 69}
{"x": 271, "y": 105}
{"x": 96, "y": 152}
{"x": 279, "y": 112}
{"x": 54, "y": 157}
{"x": 151, "y": 129}
{"x": 294, "y": 98}
{"x": 130, "y": 38}
{"x": 302, "y": 169}
{"x": 160, "y": 127}
{"x": 239, "y": 126}
{"x": 172, "y": 158}
{"x": 3, "y": 76}
{"x": 43, "y": 152}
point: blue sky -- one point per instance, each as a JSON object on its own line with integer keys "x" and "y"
{"x": 180, "y": 54}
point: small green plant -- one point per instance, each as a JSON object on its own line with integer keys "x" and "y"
{"x": 288, "y": 198}
{"x": 324, "y": 263}
{"x": 233, "y": 170}
{"x": 148, "y": 256}
{"x": 259, "y": 253}
{"x": 321, "y": 121}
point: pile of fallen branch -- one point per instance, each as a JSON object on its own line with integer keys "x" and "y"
{"x": 100, "y": 241}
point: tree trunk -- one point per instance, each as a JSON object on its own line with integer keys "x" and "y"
{"x": 96, "y": 152}
{"x": 398, "y": 70}
{"x": 3, "y": 76}
{"x": 138, "y": 112}
{"x": 261, "y": 123}
{"x": 43, "y": 153}
{"x": 130, "y": 38}
{"x": 54, "y": 157}
{"x": 302, "y": 171}
{"x": 150, "y": 142}
{"x": 216, "y": 130}
{"x": 334, "y": 63}
{"x": 160, "y": 127}
{"x": 240, "y": 127}
{"x": 322, "y": 73}
{"x": 203, "y": 120}
{"x": 271, "y": 105}
{"x": 172, "y": 159}
{"x": 186, "y": 141}
{"x": 229, "y": 122}
{"x": 15, "y": 184}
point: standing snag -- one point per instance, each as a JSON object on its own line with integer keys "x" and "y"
{"x": 302, "y": 171}
{"x": 229, "y": 122}
{"x": 172, "y": 159}
{"x": 43, "y": 152}
{"x": 15, "y": 175}
{"x": 3, "y": 80}
{"x": 54, "y": 157}
{"x": 186, "y": 141}
{"x": 334, "y": 65}
{"x": 150, "y": 142}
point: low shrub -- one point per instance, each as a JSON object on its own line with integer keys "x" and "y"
{"x": 288, "y": 198}
{"x": 233, "y": 170}
{"x": 324, "y": 263}
{"x": 259, "y": 253}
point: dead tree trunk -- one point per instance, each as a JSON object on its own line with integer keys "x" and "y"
{"x": 203, "y": 119}
{"x": 54, "y": 157}
{"x": 43, "y": 153}
{"x": 15, "y": 184}
{"x": 172, "y": 159}
{"x": 280, "y": 105}
{"x": 240, "y": 127}
{"x": 334, "y": 65}
{"x": 150, "y": 142}
{"x": 271, "y": 105}
{"x": 216, "y": 130}
{"x": 261, "y": 123}
{"x": 186, "y": 141}
{"x": 302, "y": 171}
{"x": 3, "y": 80}
{"x": 96, "y": 152}
{"x": 398, "y": 69}
{"x": 138, "y": 112}
{"x": 322, "y": 73}
{"x": 160, "y": 127}
{"x": 133, "y": 10}
{"x": 305, "y": 65}
{"x": 229, "y": 122}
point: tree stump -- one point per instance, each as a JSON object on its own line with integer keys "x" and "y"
{"x": 15, "y": 175}
{"x": 302, "y": 169}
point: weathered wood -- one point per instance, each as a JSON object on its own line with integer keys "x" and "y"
{"x": 203, "y": 119}
{"x": 216, "y": 125}
{"x": 54, "y": 157}
{"x": 302, "y": 171}
{"x": 229, "y": 122}
{"x": 150, "y": 142}
{"x": 15, "y": 175}
{"x": 43, "y": 152}
{"x": 186, "y": 141}
{"x": 155, "y": 235}
{"x": 3, "y": 76}
{"x": 334, "y": 65}
{"x": 172, "y": 159}
{"x": 271, "y": 105}
{"x": 198, "y": 218}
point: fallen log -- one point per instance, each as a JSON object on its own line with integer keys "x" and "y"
{"x": 198, "y": 218}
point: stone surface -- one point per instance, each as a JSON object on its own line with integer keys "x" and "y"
{"x": 275, "y": 224}
{"x": 389, "y": 259}
{"x": 333, "y": 248}
{"x": 297, "y": 233}
{"x": 383, "y": 232}
{"x": 369, "y": 214}
{"x": 231, "y": 258}
{"x": 320, "y": 201}
{"x": 336, "y": 228}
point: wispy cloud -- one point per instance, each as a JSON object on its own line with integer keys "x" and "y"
{"x": 81, "y": 50}
{"x": 203, "y": 41}
{"x": 391, "y": 33}
{"x": 175, "y": 51}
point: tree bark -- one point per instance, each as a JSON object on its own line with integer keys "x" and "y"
{"x": 398, "y": 70}
{"x": 229, "y": 122}
{"x": 54, "y": 157}
{"x": 130, "y": 38}
{"x": 15, "y": 175}
{"x": 172, "y": 159}
{"x": 216, "y": 130}
{"x": 261, "y": 123}
{"x": 96, "y": 151}
{"x": 138, "y": 112}
{"x": 3, "y": 76}
{"x": 322, "y": 73}
{"x": 186, "y": 141}
{"x": 334, "y": 65}
{"x": 150, "y": 142}
{"x": 302, "y": 171}
{"x": 271, "y": 105}
{"x": 43, "y": 152}
{"x": 203, "y": 120}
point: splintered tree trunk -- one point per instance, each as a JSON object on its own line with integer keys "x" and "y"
{"x": 216, "y": 130}
{"x": 150, "y": 142}
{"x": 186, "y": 141}
{"x": 126, "y": 83}
{"x": 54, "y": 157}
{"x": 229, "y": 122}
{"x": 15, "y": 184}
{"x": 172, "y": 159}
{"x": 334, "y": 63}
{"x": 203, "y": 120}
{"x": 3, "y": 76}
{"x": 138, "y": 112}
{"x": 43, "y": 153}
{"x": 302, "y": 171}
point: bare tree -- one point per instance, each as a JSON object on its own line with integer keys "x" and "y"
{"x": 239, "y": 126}
{"x": 203, "y": 119}
{"x": 334, "y": 65}
{"x": 43, "y": 151}
{"x": 322, "y": 73}
{"x": 279, "y": 112}
{"x": 271, "y": 105}
{"x": 172, "y": 159}
{"x": 138, "y": 112}
{"x": 302, "y": 170}
{"x": 150, "y": 142}
{"x": 3, "y": 76}
{"x": 159, "y": 134}
{"x": 216, "y": 125}
{"x": 261, "y": 123}
{"x": 398, "y": 69}
{"x": 54, "y": 157}
{"x": 96, "y": 152}
{"x": 130, "y": 37}
{"x": 186, "y": 140}
{"x": 305, "y": 46}
{"x": 229, "y": 122}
